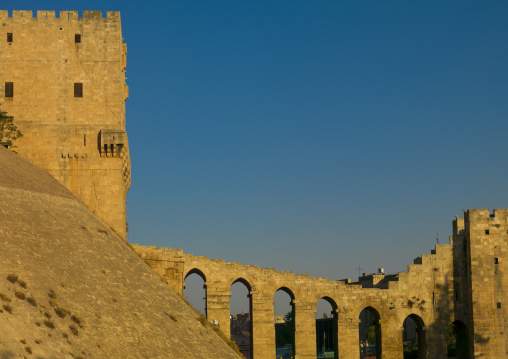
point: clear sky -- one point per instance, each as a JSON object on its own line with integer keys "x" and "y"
{"x": 312, "y": 136}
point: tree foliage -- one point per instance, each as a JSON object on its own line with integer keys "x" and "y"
{"x": 284, "y": 331}
{"x": 8, "y": 130}
{"x": 371, "y": 333}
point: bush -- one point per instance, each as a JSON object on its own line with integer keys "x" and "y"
{"x": 7, "y": 308}
{"x": 8, "y": 131}
{"x": 32, "y": 301}
{"x": 73, "y": 329}
{"x": 411, "y": 353}
{"x": 13, "y": 278}
{"x": 49, "y": 324}
{"x": 60, "y": 312}
{"x": 5, "y": 297}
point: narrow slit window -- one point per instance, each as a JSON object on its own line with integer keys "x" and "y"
{"x": 78, "y": 89}
{"x": 77, "y": 38}
{"x": 84, "y": 140}
{"x": 9, "y": 89}
{"x": 9, "y": 37}
{"x": 498, "y": 305}
{"x": 496, "y": 260}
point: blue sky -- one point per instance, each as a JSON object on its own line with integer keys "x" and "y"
{"x": 311, "y": 136}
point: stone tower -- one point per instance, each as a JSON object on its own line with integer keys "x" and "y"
{"x": 63, "y": 80}
{"x": 486, "y": 237}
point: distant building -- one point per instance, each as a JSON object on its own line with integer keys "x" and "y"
{"x": 279, "y": 319}
{"x": 241, "y": 333}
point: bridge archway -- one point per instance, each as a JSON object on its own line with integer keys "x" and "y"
{"x": 195, "y": 291}
{"x": 458, "y": 340}
{"x": 413, "y": 337}
{"x": 327, "y": 326}
{"x": 241, "y": 324}
{"x": 370, "y": 332}
{"x": 284, "y": 321}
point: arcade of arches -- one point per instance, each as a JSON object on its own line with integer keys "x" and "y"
{"x": 433, "y": 293}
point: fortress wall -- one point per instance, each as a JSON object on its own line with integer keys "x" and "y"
{"x": 65, "y": 134}
{"x": 425, "y": 290}
{"x": 486, "y": 241}
{"x": 80, "y": 139}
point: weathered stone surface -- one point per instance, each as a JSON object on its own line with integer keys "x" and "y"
{"x": 53, "y": 243}
{"x": 459, "y": 282}
{"x": 74, "y": 265}
{"x": 81, "y": 141}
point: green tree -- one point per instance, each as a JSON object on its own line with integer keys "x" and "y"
{"x": 284, "y": 331}
{"x": 8, "y": 131}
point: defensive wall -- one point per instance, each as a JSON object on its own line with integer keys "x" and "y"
{"x": 63, "y": 80}
{"x": 461, "y": 282}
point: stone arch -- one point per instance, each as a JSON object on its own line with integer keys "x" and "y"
{"x": 287, "y": 290}
{"x": 291, "y": 328}
{"x": 460, "y": 333}
{"x": 332, "y": 332}
{"x": 247, "y": 352}
{"x": 420, "y": 339}
{"x": 195, "y": 271}
{"x": 203, "y": 276}
{"x": 367, "y": 316}
{"x": 244, "y": 281}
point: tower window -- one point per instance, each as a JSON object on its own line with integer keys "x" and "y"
{"x": 498, "y": 305}
{"x": 496, "y": 260}
{"x": 77, "y": 38}
{"x": 78, "y": 89}
{"x": 486, "y": 231}
{"x": 9, "y": 89}
{"x": 9, "y": 37}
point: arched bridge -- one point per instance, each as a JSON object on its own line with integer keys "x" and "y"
{"x": 435, "y": 291}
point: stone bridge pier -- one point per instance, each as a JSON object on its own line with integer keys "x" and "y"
{"x": 263, "y": 329}
{"x": 305, "y": 327}
{"x": 217, "y": 305}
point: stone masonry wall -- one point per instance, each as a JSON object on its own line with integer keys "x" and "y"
{"x": 487, "y": 237}
{"x": 461, "y": 282}
{"x": 424, "y": 291}
{"x": 81, "y": 141}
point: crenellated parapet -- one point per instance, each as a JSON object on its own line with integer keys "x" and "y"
{"x": 63, "y": 15}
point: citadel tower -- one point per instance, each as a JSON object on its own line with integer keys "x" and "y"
{"x": 63, "y": 80}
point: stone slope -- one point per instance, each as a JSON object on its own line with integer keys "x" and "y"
{"x": 70, "y": 288}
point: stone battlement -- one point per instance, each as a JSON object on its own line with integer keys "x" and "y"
{"x": 64, "y": 15}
